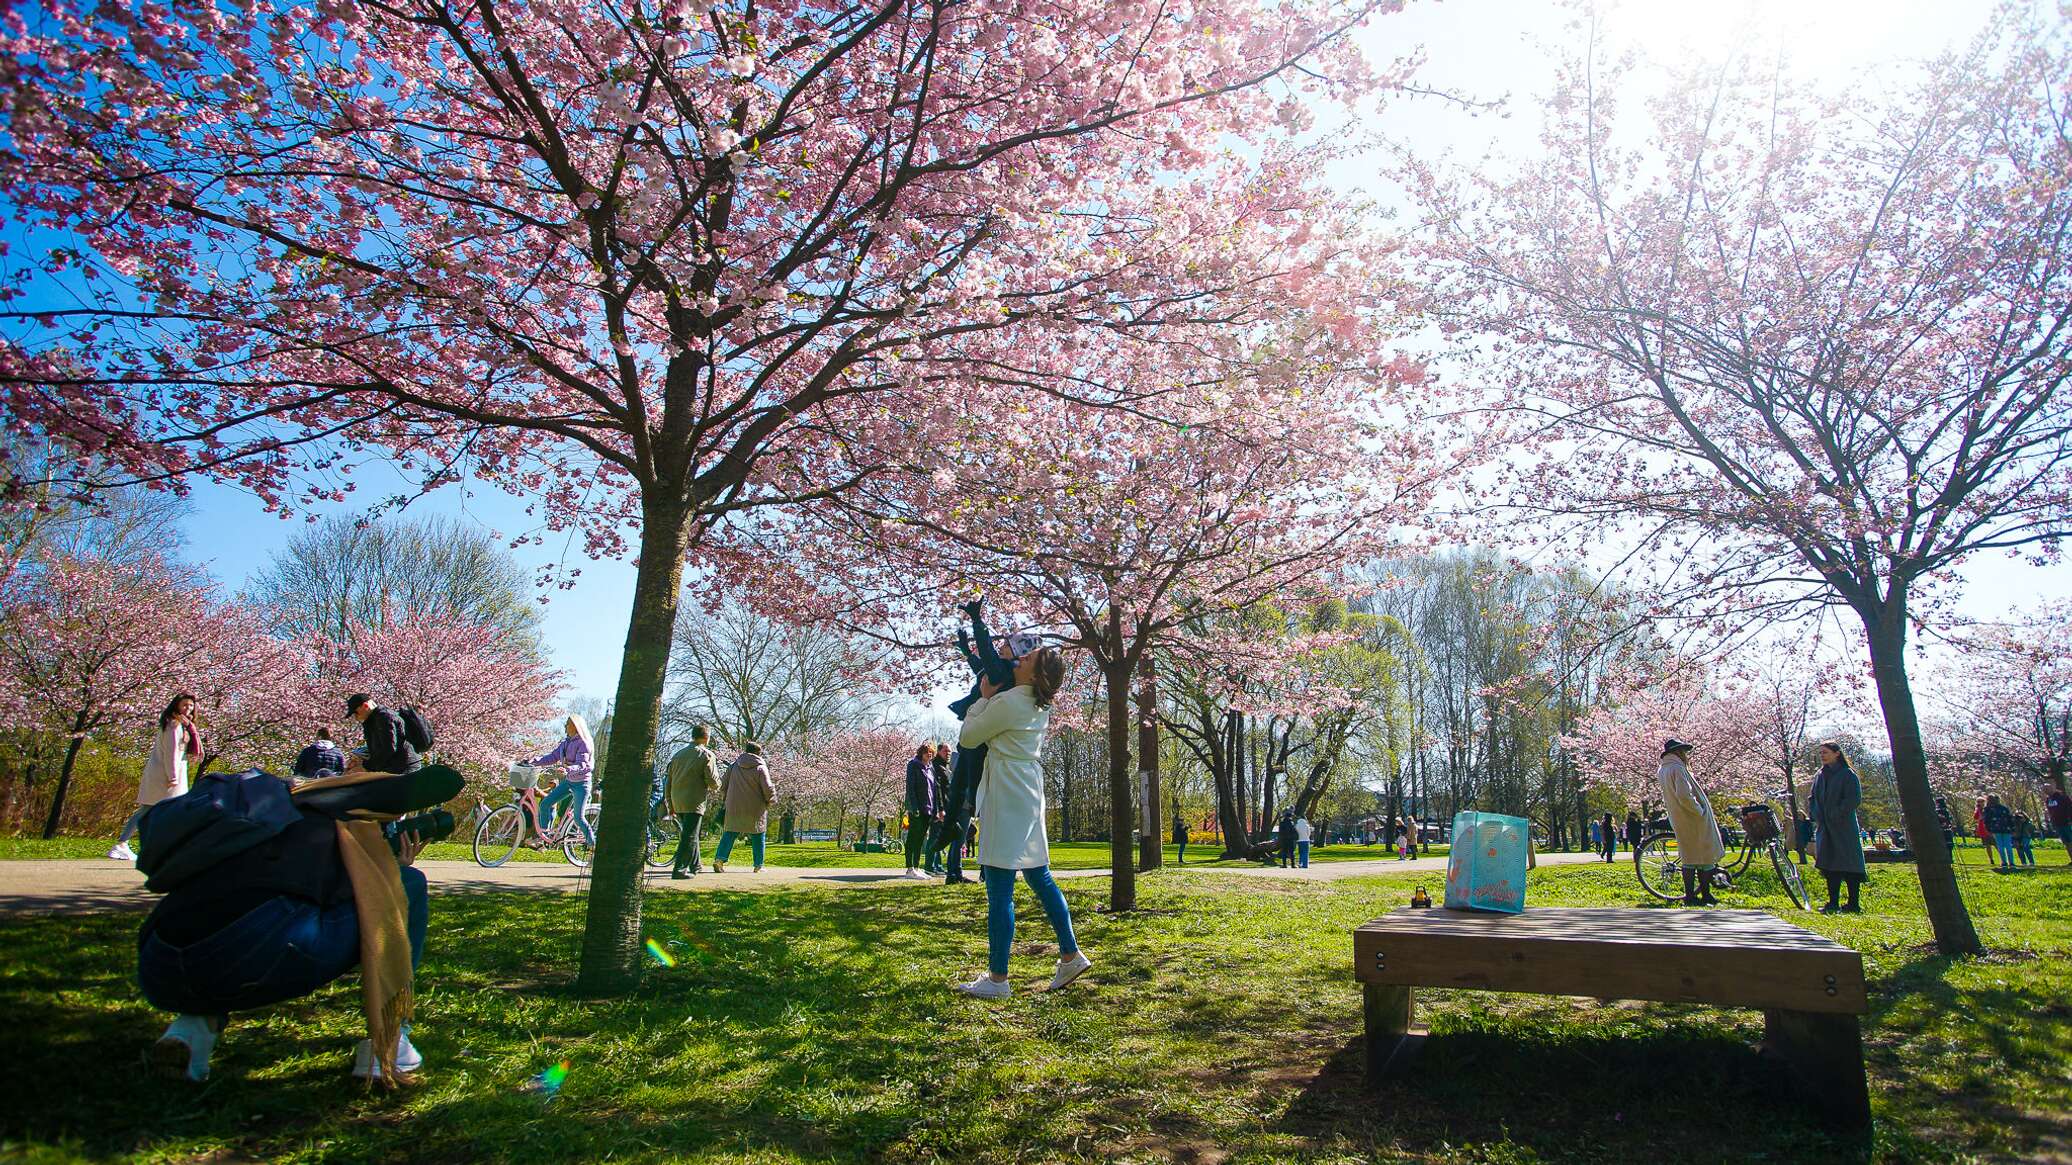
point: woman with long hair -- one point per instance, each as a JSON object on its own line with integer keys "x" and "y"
{"x": 1010, "y": 723}
{"x": 1837, "y": 846}
{"x": 177, "y": 744}
{"x": 573, "y": 756}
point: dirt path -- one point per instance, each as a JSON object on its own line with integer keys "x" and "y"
{"x": 95, "y": 886}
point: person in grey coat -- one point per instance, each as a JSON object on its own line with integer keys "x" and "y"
{"x": 1837, "y": 845}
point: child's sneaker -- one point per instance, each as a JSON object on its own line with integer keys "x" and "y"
{"x": 986, "y": 987}
{"x": 184, "y": 1050}
{"x": 408, "y": 1059}
{"x": 122, "y": 853}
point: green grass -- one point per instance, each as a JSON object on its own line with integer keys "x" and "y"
{"x": 1220, "y": 1023}
{"x": 1065, "y": 855}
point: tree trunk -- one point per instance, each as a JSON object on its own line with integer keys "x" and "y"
{"x": 611, "y": 957}
{"x": 1886, "y": 630}
{"x": 1122, "y": 891}
{"x": 57, "y": 797}
{"x": 1151, "y": 852}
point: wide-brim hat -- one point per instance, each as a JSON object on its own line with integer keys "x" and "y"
{"x": 1674, "y": 745}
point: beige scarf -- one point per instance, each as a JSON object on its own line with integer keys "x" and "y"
{"x": 377, "y": 882}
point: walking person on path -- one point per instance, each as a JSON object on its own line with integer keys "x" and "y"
{"x": 949, "y": 861}
{"x": 1180, "y": 837}
{"x": 1698, "y": 841}
{"x": 1303, "y": 832}
{"x": 691, "y": 784}
{"x": 1998, "y": 820}
{"x": 920, "y": 807}
{"x": 1611, "y": 837}
{"x": 1010, "y": 724}
{"x": 165, "y": 770}
{"x": 572, "y": 757}
{"x": 1837, "y": 846}
{"x": 746, "y": 794}
{"x": 2057, "y": 811}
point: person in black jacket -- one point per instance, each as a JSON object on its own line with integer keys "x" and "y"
{"x": 276, "y": 922}
{"x": 920, "y": 806}
{"x": 953, "y": 853}
{"x": 1287, "y": 838}
{"x": 320, "y": 757}
{"x": 388, "y": 748}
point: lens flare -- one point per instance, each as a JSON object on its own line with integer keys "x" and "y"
{"x": 551, "y": 1079}
{"x": 661, "y": 956}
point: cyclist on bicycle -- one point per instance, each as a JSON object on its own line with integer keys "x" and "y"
{"x": 572, "y": 757}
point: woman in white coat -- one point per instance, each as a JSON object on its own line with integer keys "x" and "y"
{"x": 1011, "y": 724}
{"x": 165, "y": 771}
{"x": 1698, "y": 844}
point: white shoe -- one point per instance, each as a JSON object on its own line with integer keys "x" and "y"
{"x": 185, "y": 1048}
{"x": 1069, "y": 970}
{"x": 122, "y": 853}
{"x": 986, "y": 987}
{"x": 408, "y": 1059}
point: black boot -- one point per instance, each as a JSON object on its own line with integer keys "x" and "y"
{"x": 1691, "y": 889}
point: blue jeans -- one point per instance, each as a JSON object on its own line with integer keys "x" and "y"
{"x": 2025, "y": 849}
{"x": 2004, "y": 842}
{"x": 1302, "y": 854}
{"x": 566, "y": 790}
{"x": 726, "y": 846}
{"x": 1000, "y": 913}
{"x": 280, "y": 950}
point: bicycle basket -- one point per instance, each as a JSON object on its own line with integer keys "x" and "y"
{"x": 1760, "y": 822}
{"x": 522, "y": 777}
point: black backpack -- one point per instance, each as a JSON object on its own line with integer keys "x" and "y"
{"x": 223, "y": 815}
{"x": 416, "y": 729}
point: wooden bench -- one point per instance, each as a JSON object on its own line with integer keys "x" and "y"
{"x": 1809, "y": 988}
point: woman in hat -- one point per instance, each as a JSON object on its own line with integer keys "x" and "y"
{"x": 1698, "y": 842}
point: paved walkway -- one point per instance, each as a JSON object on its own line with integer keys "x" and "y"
{"x": 95, "y": 886}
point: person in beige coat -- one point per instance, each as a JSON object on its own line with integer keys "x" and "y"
{"x": 746, "y": 794}
{"x": 177, "y": 745}
{"x": 1698, "y": 843}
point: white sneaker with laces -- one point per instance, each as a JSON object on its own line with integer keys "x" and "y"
{"x": 1068, "y": 970}
{"x": 185, "y": 1048}
{"x": 986, "y": 987}
{"x": 122, "y": 853}
{"x": 408, "y": 1059}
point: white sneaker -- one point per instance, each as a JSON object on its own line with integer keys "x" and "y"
{"x": 1069, "y": 970}
{"x": 184, "y": 1049}
{"x": 122, "y": 853}
{"x": 986, "y": 987}
{"x": 408, "y": 1060}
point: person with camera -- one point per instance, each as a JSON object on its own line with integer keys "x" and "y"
{"x": 388, "y": 747}
{"x": 325, "y": 888}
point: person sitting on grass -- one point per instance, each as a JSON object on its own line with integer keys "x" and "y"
{"x": 1698, "y": 843}
{"x": 1010, "y": 723}
{"x": 280, "y": 919}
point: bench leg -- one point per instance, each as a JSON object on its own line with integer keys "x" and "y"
{"x": 1824, "y": 1053}
{"x": 1391, "y": 1043}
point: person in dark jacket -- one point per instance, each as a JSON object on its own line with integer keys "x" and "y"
{"x": 388, "y": 749}
{"x": 1634, "y": 830}
{"x": 920, "y": 806}
{"x": 322, "y": 756}
{"x": 1998, "y": 821}
{"x": 278, "y": 921}
{"x": 1286, "y": 833}
{"x": 1949, "y": 827}
{"x": 2057, "y": 813}
{"x": 2024, "y": 839}
{"x": 1837, "y": 845}
{"x": 1180, "y": 838}
{"x": 949, "y": 860}
{"x": 1608, "y": 837}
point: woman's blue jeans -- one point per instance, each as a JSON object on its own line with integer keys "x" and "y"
{"x": 280, "y": 950}
{"x": 1302, "y": 853}
{"x": 2004, "y": 842}
{"x": 726, "y": 846}
{"x": 567, "y": 790}
{"x": 1000, "y": 913}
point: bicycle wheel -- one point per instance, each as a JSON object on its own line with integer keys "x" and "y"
{"x": 1788, "y": 873}
{"x": 574, "y": 846}
{"x": 1659, "y": 868}
{"x": 497, "y": 838}
{"x": 662, "y": 835}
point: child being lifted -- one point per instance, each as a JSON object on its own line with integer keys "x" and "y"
{"x": 985, "y": 660}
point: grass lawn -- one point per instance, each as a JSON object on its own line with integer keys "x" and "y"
{"x": 1220, "y": 1023}
{"x": 1065, "y": 855}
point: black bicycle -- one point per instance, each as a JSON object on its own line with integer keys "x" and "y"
{"x": 1660, "y": 870}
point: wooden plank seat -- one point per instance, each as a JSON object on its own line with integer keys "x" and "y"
{"x": 1809, "y": 988}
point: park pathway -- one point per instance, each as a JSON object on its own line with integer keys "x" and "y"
{"x": 97, "y": 886}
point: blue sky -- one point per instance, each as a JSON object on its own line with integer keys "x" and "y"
{"x": 1485, "y": 48}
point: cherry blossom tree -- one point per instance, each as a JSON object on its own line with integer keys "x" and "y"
{"x": 641, "y": 260}
{"x": 2009, "y": 698}
{"x": 1618, "y": 745}
{"x": 1803, "y": 348}
{"x": 861, "y": 770}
